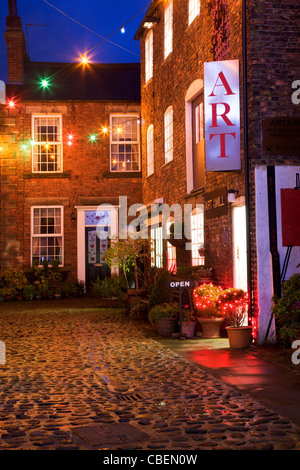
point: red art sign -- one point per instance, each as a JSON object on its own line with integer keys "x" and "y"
{"x": 222, "y": 115}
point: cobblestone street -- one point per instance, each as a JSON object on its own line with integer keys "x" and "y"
{"x": 72, "y": 367}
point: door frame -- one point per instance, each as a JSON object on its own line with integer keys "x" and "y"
{"x": 81, "y": 252}
{"x": 239, "y": 202}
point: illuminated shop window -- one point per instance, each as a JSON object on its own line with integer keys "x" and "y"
{"x": 171, "y": 253}
{"x": 46, "y": 144}
{"x": 47, "y": 234}
{"x": 157, "y": 247}
{"x": 125, "y": 142}
{"x": 197, "y": 236}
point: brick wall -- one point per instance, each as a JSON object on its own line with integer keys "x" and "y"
{"x": 192, "y": 46}
{"x": 85, "y": 180}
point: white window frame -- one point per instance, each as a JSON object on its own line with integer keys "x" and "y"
{"x": 197, "y": 234}
{"x": 168, "y": 29}
{"x": 129, "y": 142}
{"x": 168, "y": 134}
{"x": 149, "y": 56}
{"x": 157, "y": 247}
{"x": 150, "y": 150}
{"x": 36, "y": 143}
{"x": 194, "y": 10}
{"x": 34, "y": 235}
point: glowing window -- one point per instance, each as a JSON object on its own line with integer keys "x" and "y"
{"x": 157, "y": 247}
{"x": 168, "y": 31}
{"x": 194, "y": 10}
{"x": 149, "y": 56}
{"x": 125, "y": 143}
{"x": 168, "y": 134}
{"x": 47, "y": 144}
{"x": 197, "y": 235}
{"x": 150, "y": 151}
{"x": 47, "y": 234}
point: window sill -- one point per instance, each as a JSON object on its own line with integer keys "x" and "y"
{"x": 168, "y": 163}
{"x": 66, "y": 174}
{"x": 122, "y": 174}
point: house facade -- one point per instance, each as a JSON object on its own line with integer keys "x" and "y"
{"x": 70, "y": 146}
{"x": 218, "y": 120}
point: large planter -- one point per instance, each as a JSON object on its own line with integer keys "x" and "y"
{"x": 210, "y": 327}
{"x": 188, "y": 328}
{"x": 239, "y": 338}
{"x": 165, "y": 326}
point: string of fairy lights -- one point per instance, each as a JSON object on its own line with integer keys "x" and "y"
{"x": 84, "y": 60}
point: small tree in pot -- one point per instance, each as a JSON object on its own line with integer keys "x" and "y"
{"x": 233, "y": 304}
{"x": 208, "y": 313}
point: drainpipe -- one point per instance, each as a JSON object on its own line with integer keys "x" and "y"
{"x": 245, "y": 101}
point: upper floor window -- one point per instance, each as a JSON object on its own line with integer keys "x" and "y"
{"x": 149, "y": 56}
{"x": 47, "y": 143}
{"x": 150, "y": 150}
{"x": 194, "y": 10}
{"x": 168, "y": 134}
{"x": 168, "y": 32}
{"x": 47, "y": 234}
{"x": 125, "y": 142}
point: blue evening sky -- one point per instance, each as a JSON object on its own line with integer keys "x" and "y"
{"x": 63, "y": 40}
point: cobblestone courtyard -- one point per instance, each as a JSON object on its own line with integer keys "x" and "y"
{"x": 72, "y": 366}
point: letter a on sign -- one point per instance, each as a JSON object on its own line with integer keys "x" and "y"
{"x": 222, "y": 115}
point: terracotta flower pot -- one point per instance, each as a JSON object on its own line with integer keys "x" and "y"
{"x": 188, "y": 328}
{"x": 239, "y": 338}
{"x": 210, "y": 327}
{"x": 165, "y": 326}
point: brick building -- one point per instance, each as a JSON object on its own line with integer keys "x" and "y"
{"x": 70, "y": 142}
{"x": 191, "y": 52}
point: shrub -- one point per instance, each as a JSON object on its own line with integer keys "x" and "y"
{"x": 165, "y": 310}
{"x": 206, "y": 300}
{"x": 160, "y": 292}
{"x": 287, "y": 314}
{"x": 233, "y": 306}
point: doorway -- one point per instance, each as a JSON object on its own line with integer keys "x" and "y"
{"x": 239, "y": 247}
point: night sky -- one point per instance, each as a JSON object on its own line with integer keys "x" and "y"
{"x": 63, "y": 40}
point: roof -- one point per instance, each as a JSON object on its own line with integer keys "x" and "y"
{"x": 150, "y": 12}
{"x": 104, "y": 82}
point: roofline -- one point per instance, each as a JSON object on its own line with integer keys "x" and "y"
{"x": 149, "y": 12}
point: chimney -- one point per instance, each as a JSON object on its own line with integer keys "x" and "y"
{"x": 16, "y": 47}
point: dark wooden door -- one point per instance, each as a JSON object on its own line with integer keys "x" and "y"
{"x": 95, "y": 248}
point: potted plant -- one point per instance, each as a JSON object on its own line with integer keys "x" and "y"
{"x": 208, "y": 313}
{"x": 10, "y": 294}
{"x": 57, "y": 293}
{"x": 165, "y": 317}
{"x": 233, "y": 304}
{"x": 188, "y": 324}
{"x": 29, "y": 292}
{"x": 128, "y": 254}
